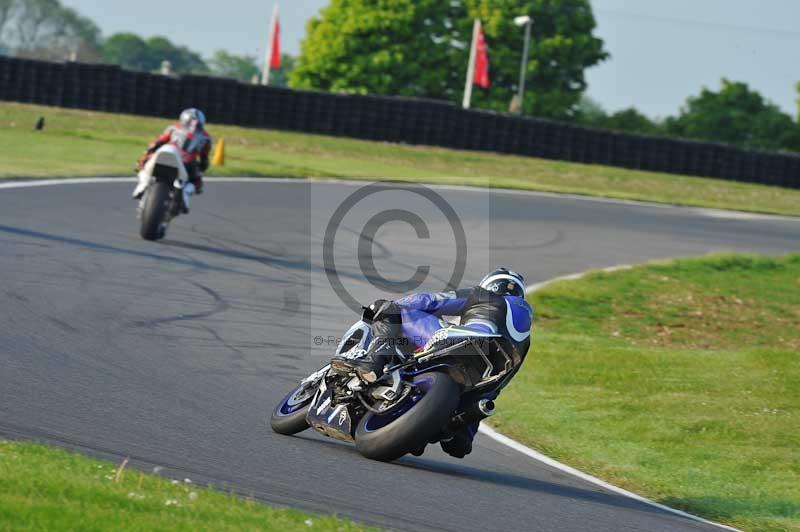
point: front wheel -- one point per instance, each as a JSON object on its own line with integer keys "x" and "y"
{"x": 154, "y": 212}
{"x": 413, "y": 424}
{"x": 289, "y": 417}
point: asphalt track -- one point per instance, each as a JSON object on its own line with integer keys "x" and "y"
{"x": 173, "y": 353}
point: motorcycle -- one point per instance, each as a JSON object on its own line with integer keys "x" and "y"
{"x": 163, "y": 187}
{"x": 421, "y": 400}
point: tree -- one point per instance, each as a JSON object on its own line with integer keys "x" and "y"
{"x": 182, "y": 59}
{"x": 591, "y": 113}
{"x": 131, "y": 51}
{"x": 6, "y": 11}
{"x": 632, "y": 121}
{"x": 228, "y": 65}
{"x": 128, "y": 50}
{"x": 280, "y": 76}
{"x": 798, "y": 102}
{"x": 736, "y": 115}
{"x": 45, "y": 29}
{"x": 420, "y": 48}
{"x": 376, "y": 46}
{"x": 562, "y": 47}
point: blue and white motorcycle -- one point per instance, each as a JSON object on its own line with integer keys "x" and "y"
{"x": 421, "y": 400}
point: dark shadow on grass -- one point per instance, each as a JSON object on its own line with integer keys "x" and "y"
{"x": 732, "y": 507}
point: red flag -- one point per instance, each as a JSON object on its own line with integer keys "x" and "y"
{"x": 275, "y": 60}
{"x": 481, "y": 76}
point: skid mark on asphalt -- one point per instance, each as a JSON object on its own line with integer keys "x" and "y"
{"x": 16, "y": 297}
{"x": 558, "y": 238}
{"x": 220, "y": 305}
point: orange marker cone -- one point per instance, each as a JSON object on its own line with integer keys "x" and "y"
{"x": 219, "y": 154}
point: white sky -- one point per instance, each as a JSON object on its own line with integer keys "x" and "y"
{"x": 661, "y": 51}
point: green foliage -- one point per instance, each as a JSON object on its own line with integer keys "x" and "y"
{"x": 45, "y": 29}
{"x": 677, "y": 379}
{"x": 131, "y": 51}
{"x": 376, "y": 46}
{"x": 279, "y": 77}
{"x": 630, "y": 120}
{"x": 128, "y": 50}
{"x": 246, "y": 68}
{"x": 227, "y": 65}
{"x": 182, "y": 59}
{"x": 562, "y": 47}
{"x": 798, "y": 102}
{"x": 737, "y": 115}
{"x": 44, "y": 488}
{"x": 420, "y": 48}
{"x": 590, "y": 112}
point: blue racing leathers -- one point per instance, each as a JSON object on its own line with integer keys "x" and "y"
{"x": 422, "y": 314}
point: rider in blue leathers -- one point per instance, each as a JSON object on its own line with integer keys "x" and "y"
{"x": 497, "y": 305}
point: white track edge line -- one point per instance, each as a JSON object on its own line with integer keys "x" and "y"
{"x": 564, "y": 468}
{"x": 702, "y": 211}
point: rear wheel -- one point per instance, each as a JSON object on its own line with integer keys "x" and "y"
{"x": 154, "y": 213}
{"x": 409, "y": 427}
{"x": 289, "y": 417}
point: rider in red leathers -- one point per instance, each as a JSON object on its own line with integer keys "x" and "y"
{"x": 190, "y": 135}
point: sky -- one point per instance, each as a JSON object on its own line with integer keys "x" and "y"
{"x": 661, "y": 52}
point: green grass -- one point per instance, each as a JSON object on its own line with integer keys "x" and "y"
{"x": 87, "y": 143}
{"x": 42, "y": 488}
{"x": 679, "y": 380}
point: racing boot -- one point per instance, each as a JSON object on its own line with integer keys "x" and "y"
{"x": 460, "y": 444}
{"x": 370, "y": 366}
{"x": 188, "y": 191}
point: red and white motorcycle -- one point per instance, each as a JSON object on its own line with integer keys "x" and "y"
{"x": 163, "y": 191}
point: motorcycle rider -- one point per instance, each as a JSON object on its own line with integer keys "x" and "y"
{"x": 497, "y": 305}
{"x": 190, "y": 136}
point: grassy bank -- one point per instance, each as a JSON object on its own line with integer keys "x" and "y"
{"x": 678, "y": 380}
{"x": 42, "y": 488}
{"x": 85, "y": 143}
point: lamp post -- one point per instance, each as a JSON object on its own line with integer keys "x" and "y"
{"x": 526, "y": 21}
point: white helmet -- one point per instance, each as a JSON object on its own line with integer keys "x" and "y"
{"x": 504, "y": 282}
{"x": 193, "y": 115}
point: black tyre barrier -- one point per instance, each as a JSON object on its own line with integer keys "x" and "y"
{"x": 393, "y": 119}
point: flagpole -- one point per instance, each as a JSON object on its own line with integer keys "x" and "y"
{"x": 471, "y": 66}
{"x": 268, "y": 60}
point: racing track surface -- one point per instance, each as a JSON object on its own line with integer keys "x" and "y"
{"x": 173, "y": 353}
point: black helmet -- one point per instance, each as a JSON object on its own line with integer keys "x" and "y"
{"x": 504, "y": 282}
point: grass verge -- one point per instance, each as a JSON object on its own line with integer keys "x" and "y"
{"x": 679, "y": 380}
{"x": 83, "y": 143}
{"x": 43, "y": 488}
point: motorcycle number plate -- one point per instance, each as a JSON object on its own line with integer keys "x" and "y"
{"x": 329, "y": 419}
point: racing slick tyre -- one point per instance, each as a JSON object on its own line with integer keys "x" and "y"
{"x": 413, "y": 424}
{"x": 289, "y": 417}
{"x": 154, "y": 213}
